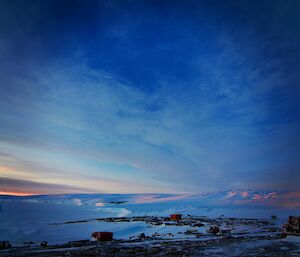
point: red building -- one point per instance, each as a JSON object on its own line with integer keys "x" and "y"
{"x": 102, "y": 236}
{"x": 175, "y": 217}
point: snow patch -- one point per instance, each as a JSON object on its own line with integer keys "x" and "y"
{"x": 77, "y": 202}
{"x": 100, "y": 204}
{"x": 114, "y": 212}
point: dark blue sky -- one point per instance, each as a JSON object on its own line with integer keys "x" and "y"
{"x": 149, "y": 96}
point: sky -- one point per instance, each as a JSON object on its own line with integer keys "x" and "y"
{"x": 149, "y": 96}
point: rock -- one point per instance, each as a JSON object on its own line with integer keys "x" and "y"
{"x": 192, "y": 232}
{"x": 199, "y": 224}
{"x": 213, "y": 230}
{"x": 142, "y": 236}
{"x": 44, "y": 244}
{"x": 5, "y": 244}
{"x": 157, "y": 223}
{"x": 169, "y": 234}
{"x": 224, "y": 232}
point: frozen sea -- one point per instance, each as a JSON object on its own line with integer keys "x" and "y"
{"x": 32, "y": 218}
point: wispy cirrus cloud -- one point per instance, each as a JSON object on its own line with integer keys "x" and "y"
{"x": 89, "y": 123}
{"x": 186, "y": 101}
{"x": 27, "y": 187}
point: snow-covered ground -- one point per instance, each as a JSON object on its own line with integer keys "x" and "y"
{"x": 31, "y": 218}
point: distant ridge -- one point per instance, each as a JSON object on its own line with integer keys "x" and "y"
{"x": 239, "y": 198}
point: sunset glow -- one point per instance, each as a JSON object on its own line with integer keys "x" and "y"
{"x": 15, "y": 193}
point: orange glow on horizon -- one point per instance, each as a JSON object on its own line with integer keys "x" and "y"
{"x": 15, "y": 193}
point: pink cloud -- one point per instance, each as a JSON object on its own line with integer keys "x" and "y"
{"x": 257, "y": 197}
{"x": 230, "y": 194}
{"x": 245, "y": 194}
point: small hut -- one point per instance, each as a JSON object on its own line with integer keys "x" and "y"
{"x": 175, "y": 217}
{"x": 102, "y": 236}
